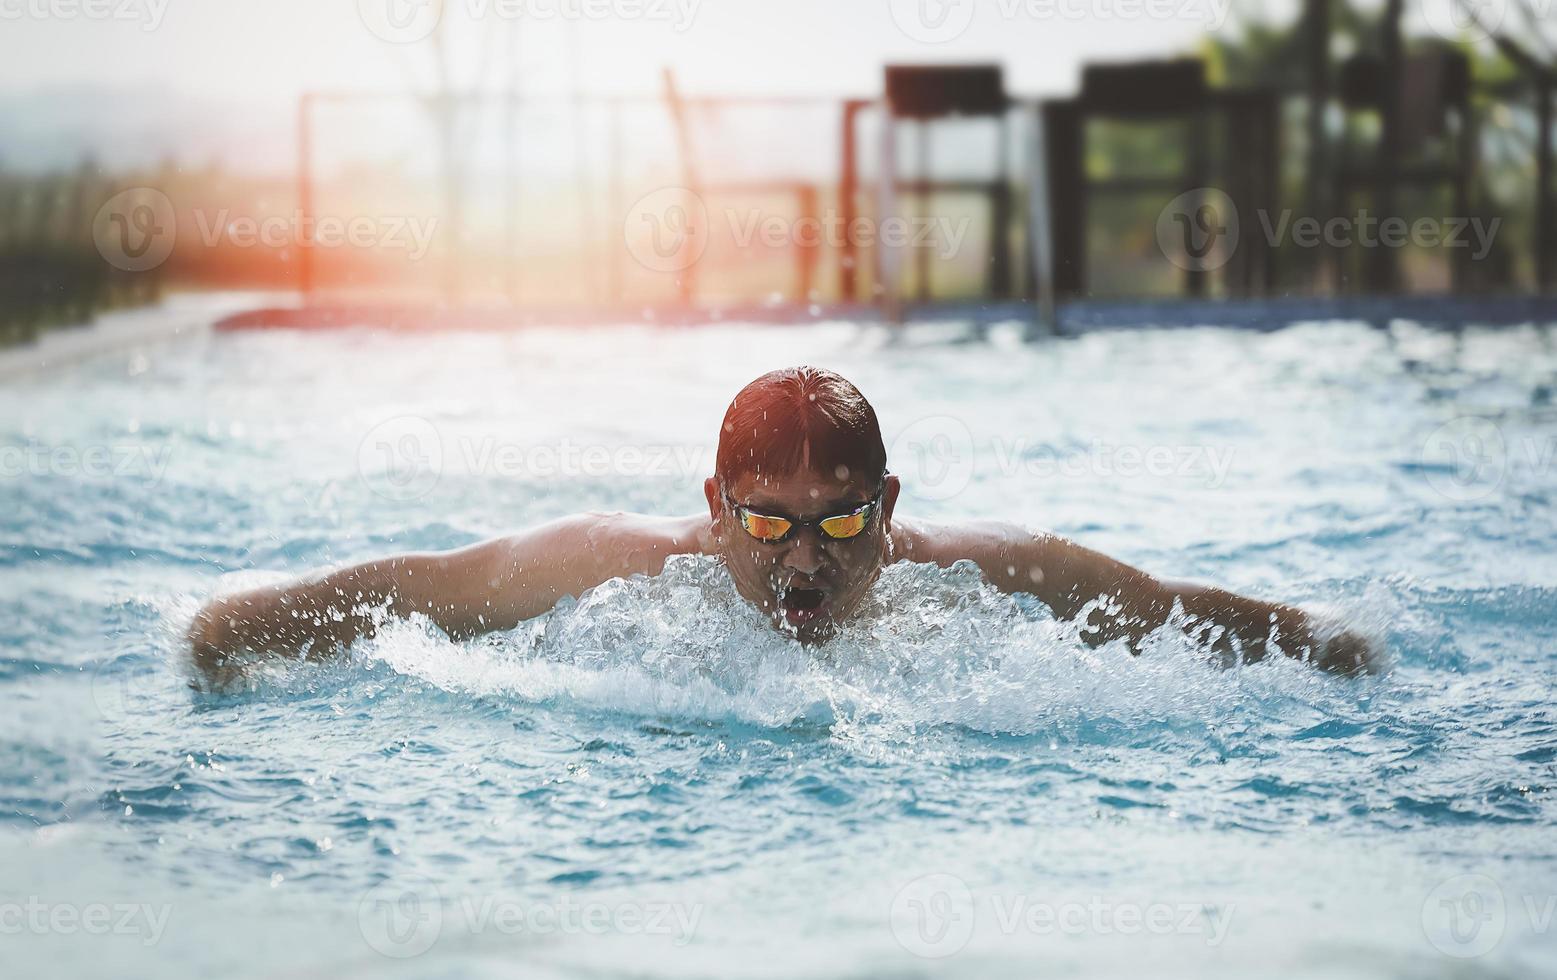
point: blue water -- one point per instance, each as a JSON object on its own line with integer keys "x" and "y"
{"x": 650, "y": 782}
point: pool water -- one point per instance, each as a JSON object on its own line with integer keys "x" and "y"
{"x": 649, "y": 781}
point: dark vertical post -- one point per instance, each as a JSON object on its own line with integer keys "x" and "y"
{"x": 1040, "y": 230}
{"x": 1067, "y": 196}
{"x": 1460, "y": 278}
{"x": 848, "y": 190}
{"x": 1195, "y": 176}
{"x": 1000, "y": 216}
{"x": 1269, "y": 194}
{"x": 1241, "y": 172}
{"x": 1317, "y": 44}
{"x": 1382, "y": 265}
{"x": 925, "y": 200}
{"x": 1543, "y": 183}
{"x": 305, "y": 195}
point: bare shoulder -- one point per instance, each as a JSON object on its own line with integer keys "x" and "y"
{"x": 579, "y": 550}
{"x": 944, "y": 544}
{"x": 615, "y": 531}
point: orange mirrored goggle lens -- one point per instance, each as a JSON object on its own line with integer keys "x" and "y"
{"x": 765, "y": 528}
{"x": 772, "y": 529}
{"x": 846, "y": 525}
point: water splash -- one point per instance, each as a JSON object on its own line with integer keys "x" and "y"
{"x": 932, "y": 648}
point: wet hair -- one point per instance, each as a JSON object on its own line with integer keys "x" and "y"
{"x": 772, "y": 420}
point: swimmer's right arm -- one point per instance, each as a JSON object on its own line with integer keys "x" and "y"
{"x": 490, "y": 586}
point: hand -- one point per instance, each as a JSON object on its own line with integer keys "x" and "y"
{"x": 1346, "y": 652}
{"x": 209, "y": 648}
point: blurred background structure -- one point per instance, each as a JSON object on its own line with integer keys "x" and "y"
{"x": 468, "y": 162}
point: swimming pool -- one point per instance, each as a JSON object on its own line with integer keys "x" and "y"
{"x": 649, "y": 782}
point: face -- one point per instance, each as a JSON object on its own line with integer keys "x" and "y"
{"x": 808, "y": 582}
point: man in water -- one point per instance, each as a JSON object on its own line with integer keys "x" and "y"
{"x": 800, "y": 510}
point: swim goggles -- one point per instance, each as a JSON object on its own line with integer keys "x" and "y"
{"x": 774, "y": 528}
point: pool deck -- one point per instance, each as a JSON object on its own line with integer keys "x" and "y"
{"x": 192, "y": 314}
{"x": 122, "y": 330}
{"x": 1074, "y": 318}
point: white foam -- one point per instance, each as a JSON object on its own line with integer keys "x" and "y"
{"x": 933, "y": 648}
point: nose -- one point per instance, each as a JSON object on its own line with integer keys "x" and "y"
{"x": 805, "y": 554}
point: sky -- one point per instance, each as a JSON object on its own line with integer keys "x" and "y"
{"x": 261, "y": 50}
{"x": 194, "y": 72}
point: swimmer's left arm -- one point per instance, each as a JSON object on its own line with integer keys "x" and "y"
{"x": 1067, "y": 577}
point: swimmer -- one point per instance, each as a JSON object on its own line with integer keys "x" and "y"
{"x": 801, "y": 510}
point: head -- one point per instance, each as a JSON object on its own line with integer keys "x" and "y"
{"x": 802, "y": 444}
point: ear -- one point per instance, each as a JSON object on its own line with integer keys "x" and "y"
{"x": 890, "y": 489}
{"x": 715, "y": 498}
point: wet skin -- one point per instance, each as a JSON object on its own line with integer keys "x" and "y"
{"x": 808, "y": 582}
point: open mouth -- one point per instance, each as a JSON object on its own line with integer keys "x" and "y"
{"x": 801, "y": 606}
